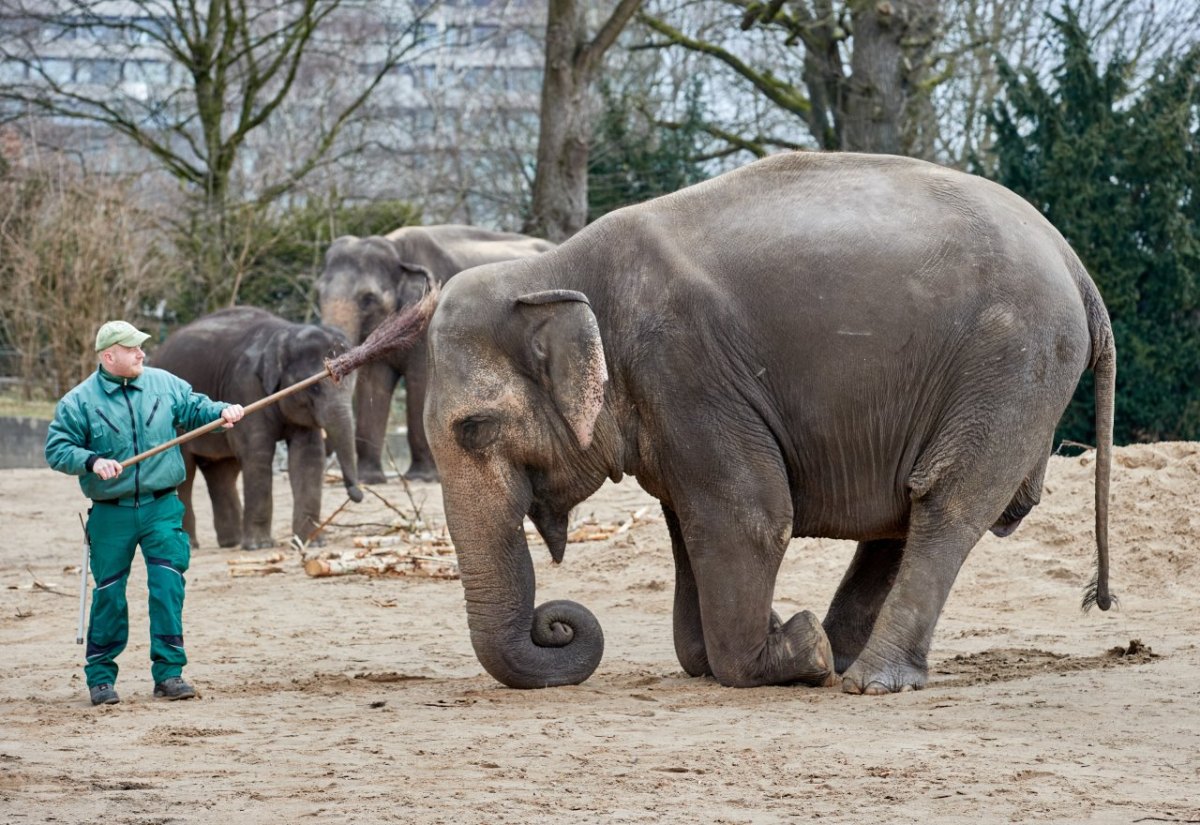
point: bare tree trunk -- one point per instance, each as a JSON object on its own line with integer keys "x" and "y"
{"x": 559, "y": 208}
{"x": 891, "y": 47}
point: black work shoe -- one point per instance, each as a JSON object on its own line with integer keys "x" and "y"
{"x": 104, "y": 695}
{"x": 173, "y": 688}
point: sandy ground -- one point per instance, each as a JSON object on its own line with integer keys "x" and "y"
{"x": 359, "y": 699}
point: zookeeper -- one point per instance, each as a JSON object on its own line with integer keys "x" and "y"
{"x": 121, "y": 409}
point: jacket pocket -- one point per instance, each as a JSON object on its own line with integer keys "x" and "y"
{"x": 106, "y": 420}
{"x": 102, "y": 439}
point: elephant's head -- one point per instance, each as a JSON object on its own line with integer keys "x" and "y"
{"x": 296, "y": 352}
{"x": 364, "y": 280}
{"x": 515, "y": 417}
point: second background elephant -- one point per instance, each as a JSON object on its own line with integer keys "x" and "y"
{"x": 241, "y": 355}
{"x": 365, "y": 280}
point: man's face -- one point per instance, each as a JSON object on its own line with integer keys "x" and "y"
{"x": 123, "y": 361}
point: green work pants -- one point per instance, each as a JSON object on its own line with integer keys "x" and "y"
{"x": 115, "y": 531}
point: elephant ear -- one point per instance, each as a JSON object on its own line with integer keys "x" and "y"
{"x": 270, "y": 365}
{"x": 412, "y": 282}
{"x": 568, "y": 354}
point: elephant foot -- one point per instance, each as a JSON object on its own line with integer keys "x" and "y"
{"x": 257, "y": 542}
{"x": 690, "y": 651}
{"x": 370, "y": 474}
{"x": 228, "y": 541}
{"x": 422, "y": 473}
{"x": 871, "y": 676}
{"x": 801, "y": 650}
{"x": 847, "y": 643}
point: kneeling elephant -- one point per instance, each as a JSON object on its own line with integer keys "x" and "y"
{"x": 849, "y": 346}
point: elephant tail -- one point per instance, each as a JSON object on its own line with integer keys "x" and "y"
{"x": 1104, "y": 369}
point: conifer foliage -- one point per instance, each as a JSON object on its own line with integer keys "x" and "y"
{"x": 1116, "y": 167}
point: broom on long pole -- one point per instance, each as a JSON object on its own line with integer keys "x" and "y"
{"x": 397, "y": 332}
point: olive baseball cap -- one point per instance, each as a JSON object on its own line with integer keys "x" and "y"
{"x": 119, "y": 332}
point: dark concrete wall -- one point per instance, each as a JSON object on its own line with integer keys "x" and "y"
{"x": 22, "y": 442}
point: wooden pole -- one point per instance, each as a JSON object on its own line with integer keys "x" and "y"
{"x": 220, "y": 422}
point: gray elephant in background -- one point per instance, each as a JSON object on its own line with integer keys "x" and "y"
{"x": 241, "y": 355}
{"x": 848, "y": 346}
{"x": 366, "y": 279}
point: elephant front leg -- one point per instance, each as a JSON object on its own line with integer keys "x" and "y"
{"x": 306, "y": 472}
{"x": 735, "y": 564}
{"x": 422, "y": 467}
{"x": 859, "y": 598}
{"x": 373, "y": 404}
{"x": 256, "y": 489}
{"x": 689, "y": 630}
{"x": 220, "y": 476}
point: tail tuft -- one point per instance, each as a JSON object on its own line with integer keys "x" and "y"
{"x": 1092, "y": 597}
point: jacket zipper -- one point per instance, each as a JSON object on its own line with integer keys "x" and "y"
{"x": 137, "y": 468}
{"x": 153, "y": 410}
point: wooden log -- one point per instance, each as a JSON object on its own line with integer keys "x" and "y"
{"x": 396, "y": 564}
{"x": 379, "y": 541}
{"x": 589, "y": 534}
{"x": 274, "y": 558}
{"x": 239, "y": 570}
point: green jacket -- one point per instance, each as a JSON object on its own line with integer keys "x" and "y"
{"x": 110, "y": 417}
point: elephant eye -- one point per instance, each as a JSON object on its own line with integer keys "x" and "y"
{"x": 367, "y": 299}
{"x": 476, "y": 432}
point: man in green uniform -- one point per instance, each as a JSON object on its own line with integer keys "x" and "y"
{"x": 123, "y": 409}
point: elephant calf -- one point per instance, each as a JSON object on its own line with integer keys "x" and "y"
{"x": 851, "y": 346}
{"x": 242, "y": 355}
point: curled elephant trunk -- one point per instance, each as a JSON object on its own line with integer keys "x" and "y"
{"x": 557, "y": 643}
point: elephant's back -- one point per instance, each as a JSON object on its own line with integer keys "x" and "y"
{"x": 447, "y": 249}
{"x": 857, "y": 303}
{"x": 205, "y": 352}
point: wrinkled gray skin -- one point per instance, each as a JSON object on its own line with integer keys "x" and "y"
{"x": 241, "y": 355}
{"x": 849, "y": 346}
{"x": 365, "y": 280}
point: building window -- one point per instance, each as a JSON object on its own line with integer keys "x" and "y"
{"x": 147, "y": 71}
{"x": 57, "y": 71}
{"x": 12, "y": 71}
{"x": 99, "y": 72}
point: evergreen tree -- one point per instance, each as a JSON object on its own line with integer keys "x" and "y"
{"x": 292, "y": 250}
{"x": 1117, "y": 171}
{"x": 634, "y": 159}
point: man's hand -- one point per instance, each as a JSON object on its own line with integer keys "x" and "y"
{"x": 106, "y": 468}
{"x": 232, "y": 414}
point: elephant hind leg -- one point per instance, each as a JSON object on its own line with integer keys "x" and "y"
{"x": 859, "y": 598}
{"x": 946, "y": 521}
{"x": 221, "y": 477}
{"x": 894, "y": 656}
{"x": 185, "y": 497}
